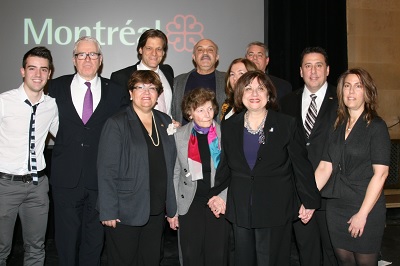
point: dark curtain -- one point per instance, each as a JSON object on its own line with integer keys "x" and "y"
{"x": 293, "y": 25}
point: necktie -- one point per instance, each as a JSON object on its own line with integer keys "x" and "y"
{"x": 32, "y": 164}
{"x": 311, "y": 115}
{"x": 87, "y": 104}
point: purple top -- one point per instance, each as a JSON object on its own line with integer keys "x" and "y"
{"x": 250, "y": 147}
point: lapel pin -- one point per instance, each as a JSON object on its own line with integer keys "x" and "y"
{"x": 330, "y": 98}
{"x": 271, "y": 129}
{"x": 162, "y": 125}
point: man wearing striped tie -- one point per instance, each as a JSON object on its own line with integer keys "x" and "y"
{"x": 315, "y": 107}
{"x": 26, "y": 117}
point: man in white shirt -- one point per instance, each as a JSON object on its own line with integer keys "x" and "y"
{"x": 151, "y": 50}
{"x": 313, "y": 239}
{"x": 85, "y": 101}
{"x": 26, "y": 117}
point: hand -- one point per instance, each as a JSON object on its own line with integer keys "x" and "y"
{"x": 356, "y": 225}
{"x": 176, "y": 123}
{"x": 217, "y": 206}
{"x": 111, "y": 223}
{"x": 173, "y": 222}
{"x": 305, "y": 214}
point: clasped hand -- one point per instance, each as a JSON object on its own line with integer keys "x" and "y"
{"x": 305, "y": 214}
{"x": 217, "y": 206}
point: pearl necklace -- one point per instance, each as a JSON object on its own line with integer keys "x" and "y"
{"x": 155, "y": 126}
{"x": 350, "y": 126}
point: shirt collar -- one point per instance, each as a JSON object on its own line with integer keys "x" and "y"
{"x": 24, "y": 96}
{"x": 320, "y": 93}
{"x": 92, "y": 81}
{"x": 142, "y": 66}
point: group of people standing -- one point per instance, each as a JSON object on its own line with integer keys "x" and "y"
{"x": 236, "y": 161}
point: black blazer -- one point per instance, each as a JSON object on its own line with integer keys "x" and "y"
{"x": 75, "y": 149}
{"x": 265, "y": 196}
{"x": 282, "y": 86}
{"x": 292, "y": 105}
{"x": 124, "y": 184}
{"x": 122, "y": 76}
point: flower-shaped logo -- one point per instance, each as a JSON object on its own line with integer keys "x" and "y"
{"x": 184, "y": 32}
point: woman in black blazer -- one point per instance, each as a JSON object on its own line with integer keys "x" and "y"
{"x": 135, "y": 164}
{"x": 265, "y": 163}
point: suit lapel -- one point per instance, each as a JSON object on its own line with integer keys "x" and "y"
{"x": 270, "y": 128}
{"x": 237, "y": 136}
{"x": 323, "y": 112}
{"x": 71, "y": 111}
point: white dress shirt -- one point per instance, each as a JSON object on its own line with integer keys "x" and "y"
{"x": 167, "y": 93}
{"x": 15, "y": 117}
{"x": 78, "y": 91}
{"x": 306, "y": 99}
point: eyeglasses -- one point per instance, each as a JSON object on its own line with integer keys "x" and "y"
{"x": 142, "y": 88}
{"x": 82, "y": 56}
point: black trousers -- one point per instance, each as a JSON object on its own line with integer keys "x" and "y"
{"x": 313, "y": 240}
{"x": 308, "y": 241}
{"x": 135, "y": 245}
{"x": 79, "y": 235}
{"x": 203, "y": 237}
{"x": 263, "y": 246}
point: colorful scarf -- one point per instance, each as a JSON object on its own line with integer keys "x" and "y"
{"x": 194, "y": 159}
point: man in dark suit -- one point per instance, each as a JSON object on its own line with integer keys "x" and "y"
{"x": 258, "y": 53}
{"x": 85, "y": 101}
{"x": 151, "y": 51}
{"x": 313, "y": 237}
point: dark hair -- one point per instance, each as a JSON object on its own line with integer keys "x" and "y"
{"x": 311, "y": 50}
{"x": 39, "y": 51}
{"x": 152, "y": 33}
{"x": 370, "y": 96}
{"x": 263, "y": 79}
{"x": 229, "y": 90}
{"x": 145, "y": 76}
{"x": 196, "y": 98}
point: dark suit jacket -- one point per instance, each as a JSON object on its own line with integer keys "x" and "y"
{"x": 292, "y": 105}
{"x": 75, "y": 150}
{"x": 265, "y": 196}
{"x": 123, "y": 166}
{"x": 282, "y": 86}
{"x": 122, "y": 76}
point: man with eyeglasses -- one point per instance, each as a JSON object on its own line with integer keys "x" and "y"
{"x": 205, "y": 56}
{"x": 258, "y": 53}
{"x": 151, "y": 51}
{"x": 85, "y": 101}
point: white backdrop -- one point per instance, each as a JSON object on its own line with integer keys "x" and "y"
{"x": 118, "y": 25}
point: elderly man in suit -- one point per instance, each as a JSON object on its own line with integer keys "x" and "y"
{"x": 85, "y": 101}
{"x": 258, "y": 53}
{"x": 314, "y": 69}
{"x": 151, "y": 50}
{"x": 205, "y": 57}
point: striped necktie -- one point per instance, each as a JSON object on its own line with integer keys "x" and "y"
{"x": 32, "y": 163}
{"x": 311, "y": 116}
